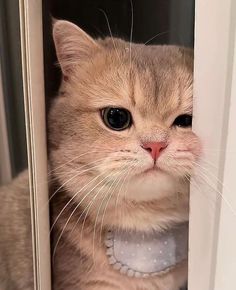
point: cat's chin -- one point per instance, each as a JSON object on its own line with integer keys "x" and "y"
{"x": 153, "y": 184}
{"x": 154, "y": 173}
{"x": 151, "y": 170}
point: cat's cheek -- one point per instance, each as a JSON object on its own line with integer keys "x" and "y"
{"x": 187, "y": 145}
{"x": 195, "y": 145}
{"x": 176, "y": 164}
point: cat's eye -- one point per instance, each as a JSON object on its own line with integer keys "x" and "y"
{"x": 116, "y": 118}
{"x": 183, "y": 121}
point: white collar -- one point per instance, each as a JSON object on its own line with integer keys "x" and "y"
{"x": 139, "y": 254}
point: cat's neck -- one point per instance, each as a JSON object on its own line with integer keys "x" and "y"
{"x": 148, "y": 215}
{"x": 127, "y": 214}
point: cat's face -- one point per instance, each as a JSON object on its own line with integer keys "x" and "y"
{"x": 121, "y": 124}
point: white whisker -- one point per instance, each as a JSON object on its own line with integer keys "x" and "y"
{"x": 78, "y": 174}
{"x": 206, "y": 179}
{"x": 92, "y": 202}
{"x": 71, "y": 160}
{"x": 77, "y": 206}
{"x": 109, "y": 28}
{"x": 155, "y": 36}
{"x": 122, "y": 185}
{"x": 133, "y": 164}
{"x": 72, "y": 198}
{"x": 103, "y": 199}
{"x": 100, "y": 206}
{"x": 131, "y": 32}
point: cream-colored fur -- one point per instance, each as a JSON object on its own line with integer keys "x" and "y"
{"x": 101, "y": 171}
{"x": 99, "y": 179}
{"x": 16, "y": 261}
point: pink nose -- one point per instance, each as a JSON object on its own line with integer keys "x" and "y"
{"x": 154, "y": 148}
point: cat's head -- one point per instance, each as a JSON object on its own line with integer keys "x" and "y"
{"x": 121, "y": 124}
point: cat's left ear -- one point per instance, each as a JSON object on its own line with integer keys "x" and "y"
{"x": 73, "y": 45}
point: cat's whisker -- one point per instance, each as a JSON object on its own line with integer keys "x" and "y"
{"x": 98, "y": 211}
{"x": 92, "y": 202}
{"x": 110, "y": 196}
{"x": 87, "y": 208}
{"x": 118, "y": 195}
{"x": 131, "y": 32}
{"x": 72, "y": 198}
{"x": 220, "y": 195}
{"x": 77, "y": 206}
{"x": 207, "y": 181}
{"x": 98, "y": 150}
{"x": 87, "y": 153}
{"x": 104, "y": 196}
{"x": 71, "y": 160}
{"x": 206, "y": 195}
{"x": 128, "y": 182}
{"x": 122, "y": 186}
{"x": 187, "y": 178}
{"x": 210, "y": 173}
{"x": 209, "y": 150}
{"x": 155, "y": 36}
{"x": 54, "y": 171}
{"x": 72, "y": 213}
{"x": 195, "y": 184}
{"x": 109, "y": 28}
{"x": 56, "y": 176}
{"x": 208, "y": 163}
{"x": 78, "y": 174}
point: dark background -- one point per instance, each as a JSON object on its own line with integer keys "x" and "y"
{"x": 11, "y": 73}
{"x": 166, "y": 21}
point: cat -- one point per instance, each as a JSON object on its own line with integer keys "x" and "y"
{"x": 121, "y": 152}
{"x": 16, "y": 261}
{"x": 122, "y": 149}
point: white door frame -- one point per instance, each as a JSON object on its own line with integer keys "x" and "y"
{"x": 34, "y": 99}
{"x": 212, "y": 258}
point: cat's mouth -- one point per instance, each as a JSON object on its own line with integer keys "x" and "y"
{"x": 152, "y": 169}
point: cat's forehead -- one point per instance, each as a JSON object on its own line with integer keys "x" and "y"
{"x": 154, "y": 80}
{"x": 158, "y": 79}
{"x": 157, "y": 91}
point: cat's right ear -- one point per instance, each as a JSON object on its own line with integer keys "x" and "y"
{"x": 72, "y": 44}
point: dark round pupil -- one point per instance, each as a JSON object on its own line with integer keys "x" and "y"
{"x": 183, "y": 121}
{"x": 117, "y": 118}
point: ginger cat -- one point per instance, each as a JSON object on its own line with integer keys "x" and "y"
{"x": 121, "y": 151}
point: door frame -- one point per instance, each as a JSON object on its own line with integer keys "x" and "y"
{"x": 212, "y": 203}
{"x": 34, "y": 99}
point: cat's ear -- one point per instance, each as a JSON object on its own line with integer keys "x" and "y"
{"x": 72, "y": 45}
